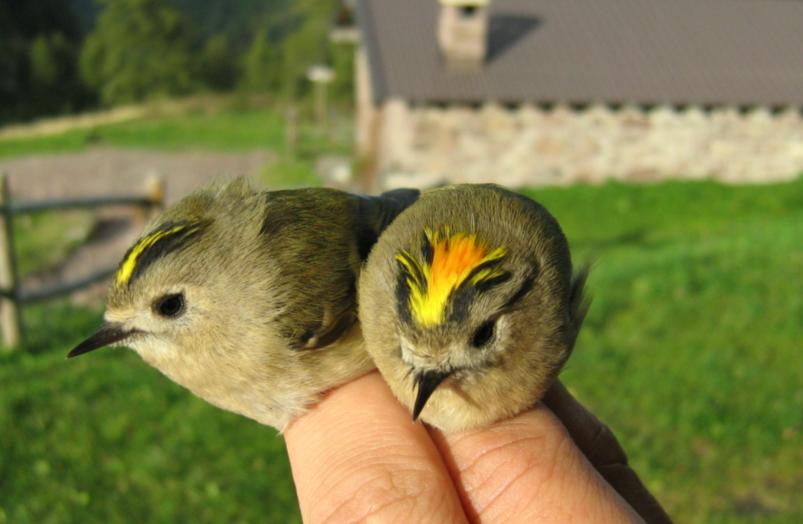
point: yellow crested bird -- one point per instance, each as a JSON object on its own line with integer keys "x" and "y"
{"x": 468, "y": 305}
{"x": 248, "y": 298}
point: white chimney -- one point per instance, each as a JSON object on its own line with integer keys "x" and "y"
{"x": 463, "y": 33}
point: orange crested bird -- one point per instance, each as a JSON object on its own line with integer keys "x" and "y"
{"x": 469, "y": 306}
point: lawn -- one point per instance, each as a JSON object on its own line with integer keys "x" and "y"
{"x": 691, "y": 352}
{"x": 692, "y": 348}
{"x": 229, "y": 125}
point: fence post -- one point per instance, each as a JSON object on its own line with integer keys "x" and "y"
{"x": 156, "y": 188}
{"x": 155, "y": 191}
{"x": 9, "y": 313}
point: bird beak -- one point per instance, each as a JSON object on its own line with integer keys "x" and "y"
{"x": 427, "y": 382}
{"x": 107, "y": 334}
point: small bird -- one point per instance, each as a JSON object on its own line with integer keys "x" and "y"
{"x": 248, "y": 298}
{"x": 468, "y": 305}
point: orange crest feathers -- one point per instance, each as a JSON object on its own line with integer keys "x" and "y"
{"x": 448, "y": 262}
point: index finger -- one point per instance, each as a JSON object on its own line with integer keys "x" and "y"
{"x": 358, "y": 455}
{"x": 528, "y": 469}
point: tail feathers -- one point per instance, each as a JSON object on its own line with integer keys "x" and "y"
{"x": 377, "y": 212}
{"x": 579, "y": 302}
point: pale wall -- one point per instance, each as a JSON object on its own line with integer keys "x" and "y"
{"x": 422, "y": 146}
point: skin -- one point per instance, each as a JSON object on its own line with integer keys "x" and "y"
{"x": 536, "y": 311}
{"x": 267, "y": 282}
{"x": 356, "y": 456}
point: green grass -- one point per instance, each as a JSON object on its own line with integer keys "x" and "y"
{"x": 43, "y": 239}
{"x": 228, "y": 129}
{"x": 691, "y": 352}
{"x": 231, "y": 129}
{"x": 109, "y": 439}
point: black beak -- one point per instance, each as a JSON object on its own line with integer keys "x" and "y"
{"x": 107, "y": 334}
{"x": 427, "y": 382}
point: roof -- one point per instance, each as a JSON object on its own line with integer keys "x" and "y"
{"x": 707, "y": 52}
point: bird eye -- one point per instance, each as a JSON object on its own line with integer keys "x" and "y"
{"x": 170, "y": 306}
{"x": 483, "y": 334}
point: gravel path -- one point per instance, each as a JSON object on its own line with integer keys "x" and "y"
{"x": 109, "y": 171}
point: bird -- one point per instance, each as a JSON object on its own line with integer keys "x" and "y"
{"x": 469, "y": 305}
{"x": 247, "y": 297}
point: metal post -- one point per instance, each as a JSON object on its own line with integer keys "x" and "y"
{"x": 9, "y": 312}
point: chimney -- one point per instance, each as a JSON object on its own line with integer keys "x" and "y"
{"x": 463, "y": 33}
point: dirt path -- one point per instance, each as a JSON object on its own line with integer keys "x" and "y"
{"x": 109, "y": 171}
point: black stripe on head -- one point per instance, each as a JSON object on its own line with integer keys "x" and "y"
{"x": 485, "y": 285}
{"x": 167, "y": 244}
{"x": 461, "y": 298}
{"x": 410, "y": 274}
{"x": 525, "y": 288}
{"x": 485, "y": 265}
{"x": 459, "y": 301}
{"x": 427, "y": 251}
{"x": 403, "y": 295}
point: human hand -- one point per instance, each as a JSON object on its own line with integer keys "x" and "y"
{"x": 357, "y": 455}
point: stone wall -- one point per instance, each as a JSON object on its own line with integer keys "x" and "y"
{"x": 528, "y": 145}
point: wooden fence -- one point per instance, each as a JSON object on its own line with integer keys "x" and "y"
{"x": 12, "y": 296}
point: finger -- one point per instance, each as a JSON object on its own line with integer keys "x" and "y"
{"x": 602, "y": 449}
{"x": 527, "y": 469}
{"x": 357, "y": 455}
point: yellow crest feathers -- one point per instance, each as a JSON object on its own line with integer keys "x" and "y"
{"x": 448, "y": 262}
{"x": 147, "y": 248}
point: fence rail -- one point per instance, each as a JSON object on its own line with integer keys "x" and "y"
{"x": 21, "y": 208}
{"x": 12, "y": 296}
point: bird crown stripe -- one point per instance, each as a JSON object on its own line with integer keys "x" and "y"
{"x": 449, "y": 260}
{"x": 129, "y": 264}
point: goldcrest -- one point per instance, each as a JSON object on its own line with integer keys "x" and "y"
{"x": 468, "y": 305}
{"x": 248, "y": 298}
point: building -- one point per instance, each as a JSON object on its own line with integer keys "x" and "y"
{"x": 528, "y": 92}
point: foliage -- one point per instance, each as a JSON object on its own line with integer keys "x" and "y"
{"x": 260, "y": 64}
{"x": 691, "y": 353}
{"x": 139, "y": 49}
{"x": 62, "y": 55}
{"x": 38, "y": 59}
{"x": 55, "y": 86}
{"x": 217, "y": 65}
{"x": 306, "y": 44}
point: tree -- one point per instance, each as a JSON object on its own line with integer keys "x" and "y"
{"x": 139, "y": 48}
{"x": 217, "y": 67}
{"x": 260, "y": 64}
{"x": 52, "y": 73}
{"x": 38, "y": 59}
{"x": 307, "y": 44}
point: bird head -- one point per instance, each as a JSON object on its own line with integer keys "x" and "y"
{"x": 180, "y": 291}
{"x": 467, "y": 307}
